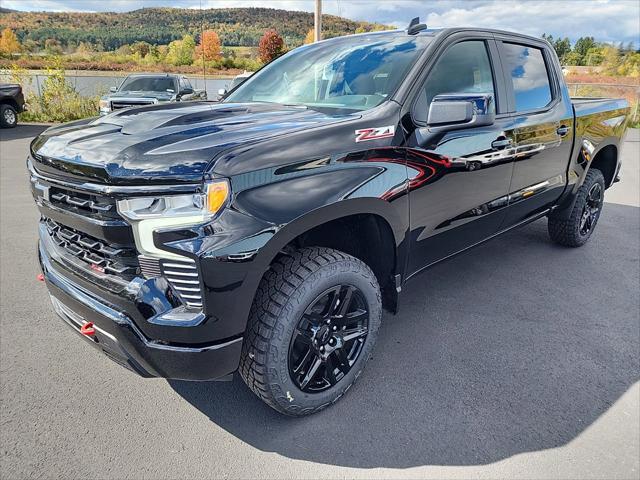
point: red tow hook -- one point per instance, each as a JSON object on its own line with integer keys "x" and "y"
{"x": 40, "y": 277}
{"x": 88, "y": 329}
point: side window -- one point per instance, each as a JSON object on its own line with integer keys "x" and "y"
{"x": 529, "y": 76}
{"x": 187, "y": 83}
{"x": 464, "y": 68}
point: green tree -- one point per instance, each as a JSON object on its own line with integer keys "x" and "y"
{"x": 572, "y": 58}
{"x": 582, "y": 47}
{"x": 562, "y": 47}
{"x": 594, "y": 57}
{"x": 180, "y": 52}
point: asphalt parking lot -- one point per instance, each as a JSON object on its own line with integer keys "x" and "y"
{"x": 518, "y": 359}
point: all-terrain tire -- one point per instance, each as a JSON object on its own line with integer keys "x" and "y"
{"x": 570, "y": 231}
{"x": 289, "y": 287}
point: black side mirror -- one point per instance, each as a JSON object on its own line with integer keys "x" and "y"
{"x": 186, "y": 91}
{"x": 460, "y": 110}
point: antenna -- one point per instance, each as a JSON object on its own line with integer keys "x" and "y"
{"x": 415, "y": 26}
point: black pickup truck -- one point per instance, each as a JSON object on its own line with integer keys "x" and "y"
{"x": 11, "y": 104}
{"x": 267, "y": 232}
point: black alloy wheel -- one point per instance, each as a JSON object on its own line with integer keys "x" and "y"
{"x": 591, "y": 209}
{"x": 328, "y": 338}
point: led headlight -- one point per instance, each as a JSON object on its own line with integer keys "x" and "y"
{"x": 148, "y": 214}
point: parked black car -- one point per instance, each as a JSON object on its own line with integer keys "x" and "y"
{"x": 149, "y": 89}
{"x": 267, "y": 232}
{"x": 11, "y": 104}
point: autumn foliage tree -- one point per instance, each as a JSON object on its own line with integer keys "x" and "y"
{"x": 310, "y": 37}
{"x": 209, "y": 46}
{"x": 271, "y": 46}
{"x": 9, "y": 43}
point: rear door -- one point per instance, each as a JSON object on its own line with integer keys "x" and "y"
{"x": 542, "y": 124}
{"x": 459, "y": 178}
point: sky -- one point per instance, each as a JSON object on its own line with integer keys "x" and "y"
{"x": 606, "y": 20}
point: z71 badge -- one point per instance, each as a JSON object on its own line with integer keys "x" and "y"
{"x": 374, "y": 133}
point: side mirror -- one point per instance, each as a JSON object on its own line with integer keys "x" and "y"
{"x": 113, "y": 89}
{"x": 186, "y": 91}
{"x": 222, "y": 91}
{"x": 460, "y": 110}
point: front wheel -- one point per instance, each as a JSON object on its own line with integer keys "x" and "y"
{"x": 311, "y": 329}
{"x": 575, "y": 230}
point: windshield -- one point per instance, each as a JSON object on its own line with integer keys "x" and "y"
{"x": 148, "y": 84}
{"x": 354, "y": 73}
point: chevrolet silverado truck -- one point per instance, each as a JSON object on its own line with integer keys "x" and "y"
{"x": 267, "y": 232}
{"x": 11, "y": 104}
{"x": 149, "y": 89}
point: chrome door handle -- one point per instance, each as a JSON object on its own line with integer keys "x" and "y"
{"x": 501, "y": 143}
{"x": 562, "y": 130}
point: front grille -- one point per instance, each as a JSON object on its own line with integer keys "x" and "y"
{"x": 86, "y": 204}
{"x": 95, "y": 253}
{"x": 128, "y": 104}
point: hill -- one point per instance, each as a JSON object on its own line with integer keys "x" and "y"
{"x": 236, "y": 26}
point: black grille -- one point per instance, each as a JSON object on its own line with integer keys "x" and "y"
{"x": 86, "y": 204}
{"x": 98, "y": 255}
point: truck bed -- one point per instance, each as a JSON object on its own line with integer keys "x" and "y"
{"x": 590, "y": 106}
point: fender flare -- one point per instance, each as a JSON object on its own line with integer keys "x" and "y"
{"x": 283, "y": 235}
{"x": 566, "y": 206}
{"x": 344, "y": 208}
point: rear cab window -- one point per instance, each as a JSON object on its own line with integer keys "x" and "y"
{"x": 526, "y": 67}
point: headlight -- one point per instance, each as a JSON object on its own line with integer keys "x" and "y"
{"x": 105, "y": 106}
{"x": 148, "y": 214}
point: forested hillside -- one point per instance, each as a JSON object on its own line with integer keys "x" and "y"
{"x": 235, "y": 26}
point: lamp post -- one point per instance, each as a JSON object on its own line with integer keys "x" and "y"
{"x": 317, "y": 21}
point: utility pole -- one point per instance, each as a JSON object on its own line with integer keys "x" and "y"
{"x": 317, "y": 22}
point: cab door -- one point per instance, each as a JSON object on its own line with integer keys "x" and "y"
{"x": 542, "y": 124}
{"x": 458, "y": 177}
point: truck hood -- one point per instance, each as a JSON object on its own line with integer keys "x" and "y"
{"x": 170, "y": 143}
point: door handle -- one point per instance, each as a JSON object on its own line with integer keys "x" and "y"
{"x": 501, "y": 143}
{"x": 562, "y": 130}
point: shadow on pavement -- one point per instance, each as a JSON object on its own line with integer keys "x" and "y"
{"x": 515, "y": 346}
{"x": 21, "y": 131}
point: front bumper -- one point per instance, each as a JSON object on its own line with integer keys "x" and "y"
{"x": 120, "y": 339}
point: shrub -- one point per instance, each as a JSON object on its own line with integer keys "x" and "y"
{"x": 58, "y": 101}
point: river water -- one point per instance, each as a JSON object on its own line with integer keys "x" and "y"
{"x": 90, "y": 85}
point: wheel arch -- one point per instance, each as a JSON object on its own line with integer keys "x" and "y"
{"x": 11, "y": 102}
{"x": 605, "y": 159}
{"x": 373, "y": 217}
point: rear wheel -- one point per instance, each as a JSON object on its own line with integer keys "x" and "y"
{"x": 8, "y": 116}
{"x": 575, "y": 230}
{"x": 311, "y": 329}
